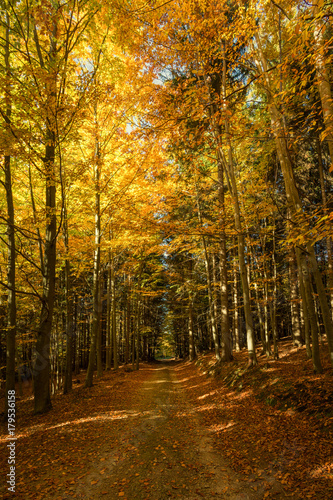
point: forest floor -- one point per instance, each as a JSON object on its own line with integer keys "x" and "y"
{"x": 181, "y": 430}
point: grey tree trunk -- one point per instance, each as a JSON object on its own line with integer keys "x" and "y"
{"x": 295, "y": 322}
{"x": 137, "y": 334}
{"x": 304, "y": 315}
{"x": 69, "y": 309}
{"x": 310, "y": 310}
{"x": 99, "y": 328}
{"x": 266, "y": 305}
{"x": 108, "y": 318}
{"x": 190, "y": 329}
{"x": 97, "y": 265}
{"x": 114, "y": 316}
{"x": 226, "y": 337}
{"x": 69, "y": 330}
{"x": 192, "y": 351}
{"x": 212, "y": 318}
{"x": 235, "y": 301}
{"x": 229, "y": 169}
{"x": 128, "y": 321}
{"x": 272, "y": 308}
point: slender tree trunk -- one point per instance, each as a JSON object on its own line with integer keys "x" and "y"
{"x": 114, "y": 315}
{"x": 304, "y": 315}
{"x": 296, "y": 328}
{"x": 235, "y": 302}
{"x": 190, "y": 330}
{"x": 215, "y": 293}
{"x": 326, "y": 315}
{"x": 229, "y": 169}
{"x": 11, "y": 273}
{"x": 40, "y": 242}
{"x": 261, "y": 322}
{"x": 99, "y": 328}
{"x": 266, "y": 305}
{"x": 69, "y": 310}
{"x": 323, "y": 79}
{"x": 212, "y": 318}
{"x": 133, "y": 335}
{"x": 97, "y": 261}
{"x": 77, "y": 337}
{"x": 273, "y": 302}
{"x": 52, "y": 364}
{"x": 108, "y": 318}
{"x": 137, "y": 334}
{"x": 192, "y": 350}
{"x": 310, "y": 309}
{"x": 226, "y": 337}
{"x": 328, "y": 238}
{"x": 128, "y": 321}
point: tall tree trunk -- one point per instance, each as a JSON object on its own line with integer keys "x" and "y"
{"x": 190, "y": 329}
{"x": 304, "y": 315}
{"x": 114, "y": 315}
{"x": 235, "y": 301}
{"x": 252, "y": 359}
{"x": 272, "y": 308}
{"x": 69, "y": 309}
{"x": 42, "y": 400}
{"x": 323, "y": 79}
{"x": 226, "y": 337}
{"x": 328, "y": 238}
{"x": 108, "y": 318}
{"x": 137, "y": 317}
{"x": 326, "y": 315}
{"x": 212, "y": 318}
{"x": 97, "y": 263}
{"x": 40, "y": 242}
{"x": 11, "y": 278}
{"x": 295, "y": 208}
{"x": 78, "y": 341}
{"x": 310, "y": 310}
{"x": 229, "y": 169}
{"x": 133, "y": 336}
{"x": 296, "y": 327}
{"x": 137, "y": 333}
{"x": 261, "y": 322}
{"x": 190, "y": 317}
{"x": 99, "y": 328}
{"x": 128, "y": 321}
{"x": 266, "y": 300}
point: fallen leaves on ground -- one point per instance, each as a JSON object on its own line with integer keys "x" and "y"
{"x": 275, "y": 418}
{"x": 271, "y": 424}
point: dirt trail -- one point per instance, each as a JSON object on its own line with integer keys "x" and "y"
{"x": 162, "y": 452}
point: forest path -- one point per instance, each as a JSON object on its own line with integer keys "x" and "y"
{"x": 164, "y": 431}
{"x": 162, "y": 450}
{"x": 170, "y": 431}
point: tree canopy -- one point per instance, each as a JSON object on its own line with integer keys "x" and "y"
{"x": 166, "y": 177}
